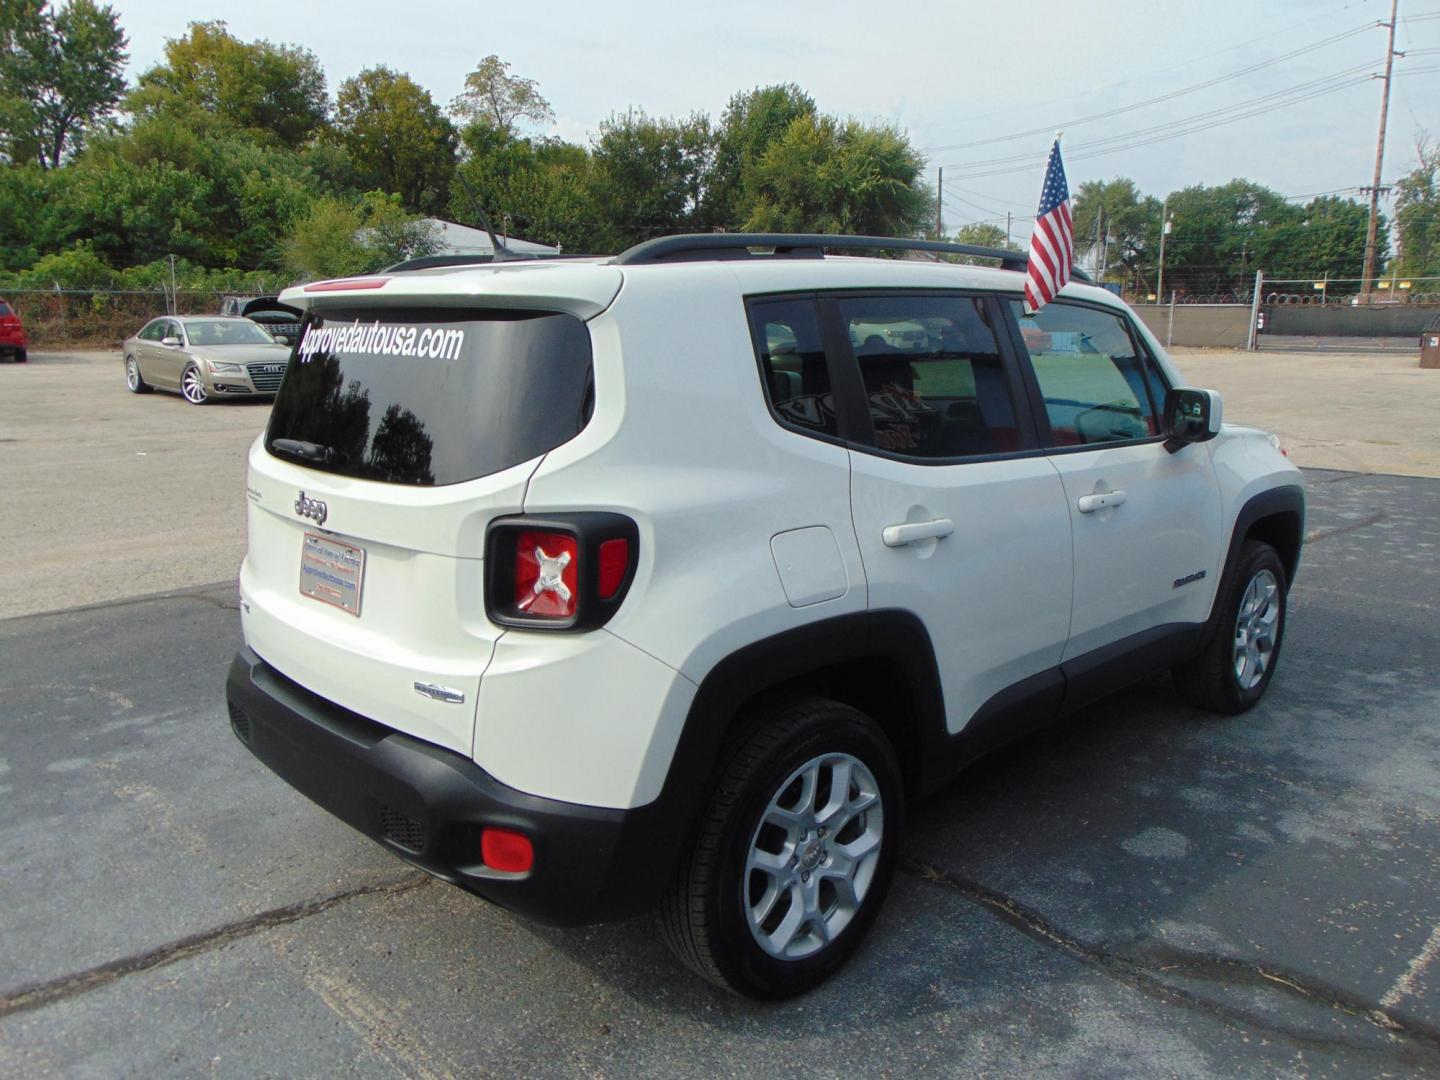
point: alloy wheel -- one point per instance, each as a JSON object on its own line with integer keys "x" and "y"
{"x": 132, "y": 373}
{"x": 1256, "y": 625}
{"x": 813, "y": 856}
{"x": 192, "y": 386}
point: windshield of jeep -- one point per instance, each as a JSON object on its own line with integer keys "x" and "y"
{"x": 430, "y": 396}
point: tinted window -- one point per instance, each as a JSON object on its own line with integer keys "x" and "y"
{"x": 1091, "y": 375}
{"x": 933, "y": 375}
{"x": 5, "y": 308}
{"x": 430, "y": 396}
{"x": 792, "y": 362}
{"x": 152, "y": 332}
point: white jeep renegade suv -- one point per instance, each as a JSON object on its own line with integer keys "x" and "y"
{"x": 666, "y": 579}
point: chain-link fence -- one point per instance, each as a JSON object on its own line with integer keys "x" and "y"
{"x": 102, "y": 316}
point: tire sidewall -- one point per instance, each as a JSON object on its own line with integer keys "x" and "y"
{"x": 1254, "y": 559}
{"x": 745, "y": 963}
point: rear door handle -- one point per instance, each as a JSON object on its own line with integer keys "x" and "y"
{"x": 913, "y": 532}
{"x": 1088, "y": 504}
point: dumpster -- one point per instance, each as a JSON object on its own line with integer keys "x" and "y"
{"x": 1430, "y": 344}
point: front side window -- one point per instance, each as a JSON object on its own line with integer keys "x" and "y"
{"x": 1096, "y": 383}
{"x": 153, "y": 331}
{"x": 933, "y": 375}
{"x": 792, "y": 363}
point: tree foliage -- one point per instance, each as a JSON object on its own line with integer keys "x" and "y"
{"x": 752, "y": 121}
{"x": 397, "y": 136}
{"x": 494, "y": 96}
{"x": 339, "y": 238}
{"x": 648, "y": 176}
{"x": 210, "y": 76}
{"x": 1219, "y": 236}
{"x": 60, "y": 77}
{"x": 1417, "y": 215}
{"x": 837, "y": 176}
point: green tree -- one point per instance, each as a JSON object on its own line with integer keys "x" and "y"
{"x": 983, "y": 234}
{"x": 649, "y": 176}
{"x": 539, "y": 189}
{"x": 338, "y": 239}
{"x": 752, "y": 121}
{"x": 60, "y": 76}
{"x": 1116, "y": 209}
{"x": 210, "y": 75}
{"x": 1417, "y": 215}
{"x": 833, "y": 176}
{"x": 397, "y": 137}
{"x": 496, "y": 97}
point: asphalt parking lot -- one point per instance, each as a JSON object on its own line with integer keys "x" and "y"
{"x": 1144, "y": 889}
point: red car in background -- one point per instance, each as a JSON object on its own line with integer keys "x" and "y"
{"x": 12, "y": 334}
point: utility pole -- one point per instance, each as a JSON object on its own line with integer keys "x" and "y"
{"x": 1164, "y": 232}
{"x": 1370, "y": 231}
{"x": 939, "y": 201}
{"x": 1007, "y": 228}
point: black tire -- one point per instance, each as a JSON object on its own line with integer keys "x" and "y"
{"x": 137, "y": 384}
{"x": 1211, "y": 680}
{"x": 704, "y": 918}
{"x": 21, "y": 356}
{"x": 199, "y": 397}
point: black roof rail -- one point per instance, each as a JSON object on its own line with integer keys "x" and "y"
{"x": 698, "y": 247}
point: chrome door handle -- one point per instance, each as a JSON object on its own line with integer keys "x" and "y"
{"x": 1088, "y": 504}
{"x": 913, "y": 532}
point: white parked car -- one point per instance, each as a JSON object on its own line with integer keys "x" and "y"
{"x": 606, "y": 585}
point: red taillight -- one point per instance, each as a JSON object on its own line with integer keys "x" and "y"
{"x": 614, "y": 561}
{"x": 547, "y": 574}
{"x": 506, "y": 850}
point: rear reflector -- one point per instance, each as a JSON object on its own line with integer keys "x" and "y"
{"x": 547, "y": 574}
{"x": 506, "y": 850}
{"x": 614, "y": 561}
{"x": 345, "y": 284}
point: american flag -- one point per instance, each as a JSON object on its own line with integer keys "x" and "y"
{"x": 1052, "y": 247}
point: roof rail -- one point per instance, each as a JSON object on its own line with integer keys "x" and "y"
{"x": 697, "y": 247}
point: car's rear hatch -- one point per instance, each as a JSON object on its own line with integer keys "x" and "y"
{"x": 404, "y": 426}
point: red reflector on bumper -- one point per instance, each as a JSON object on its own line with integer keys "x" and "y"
{"x": 505, "y": 850}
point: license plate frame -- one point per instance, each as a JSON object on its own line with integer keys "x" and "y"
{"x": 332, "y": 572}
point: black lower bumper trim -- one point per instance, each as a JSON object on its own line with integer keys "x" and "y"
{"x": 428, "y": 805}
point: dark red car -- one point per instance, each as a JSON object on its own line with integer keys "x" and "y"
{"x": 12, "y": 334}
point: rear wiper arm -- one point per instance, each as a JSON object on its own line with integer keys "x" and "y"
{"x": 309, "y": 452}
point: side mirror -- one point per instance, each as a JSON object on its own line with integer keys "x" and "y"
{"x": 1191, "y": 416}
{"x": 281, "y": 339}
{"x": 170, "y": 342}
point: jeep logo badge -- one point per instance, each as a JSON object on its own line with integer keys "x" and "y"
{"x": 311, "y": 508}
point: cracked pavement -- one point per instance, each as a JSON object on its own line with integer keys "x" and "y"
{"x": 1142, "y": 889}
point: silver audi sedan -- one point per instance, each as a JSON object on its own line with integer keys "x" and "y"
{"x": 202, "y": 357}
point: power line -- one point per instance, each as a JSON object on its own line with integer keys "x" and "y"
{"x": 1157, "y": 100}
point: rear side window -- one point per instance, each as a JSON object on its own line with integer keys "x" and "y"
{"x": 5, "y": 308}
{"x": 1097, "y": 384}
{"x": 792, "y": 363}
{"x": 933, "y": 375}
{"x": 430, "y": 396}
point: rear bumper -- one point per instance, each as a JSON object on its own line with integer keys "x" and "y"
{"x": 428, "y": 805}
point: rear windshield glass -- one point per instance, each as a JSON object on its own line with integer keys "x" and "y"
{"x": 4, "y": 308}
{"x": 434, "y": 396}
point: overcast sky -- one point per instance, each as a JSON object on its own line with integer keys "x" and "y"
{"x": 947, "y": 73}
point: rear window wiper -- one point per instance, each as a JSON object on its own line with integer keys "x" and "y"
{"x": 308, "y": 452}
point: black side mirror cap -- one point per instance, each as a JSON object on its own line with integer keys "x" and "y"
{"x": 1191, "y": 416}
